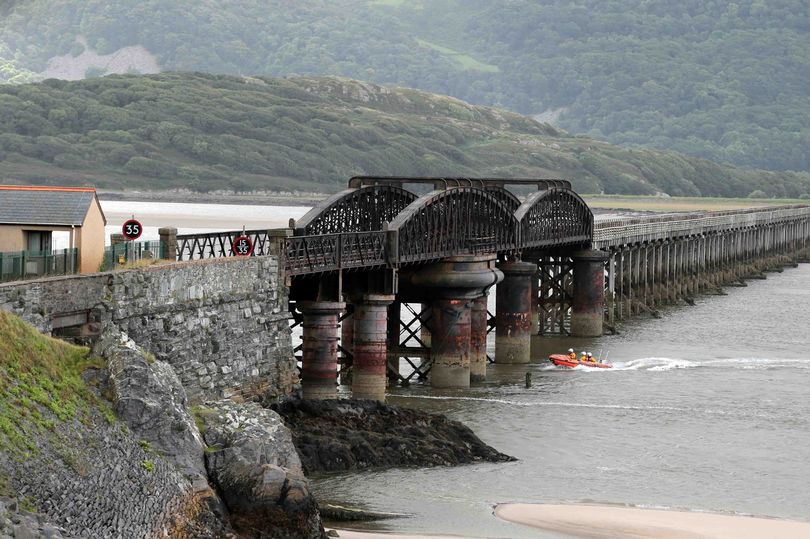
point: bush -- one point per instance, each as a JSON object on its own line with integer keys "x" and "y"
{"x": 757, "y": 194}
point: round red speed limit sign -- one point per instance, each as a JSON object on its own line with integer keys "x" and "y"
{"x": 132, "y": 229}
{"x": 242, "y": 246}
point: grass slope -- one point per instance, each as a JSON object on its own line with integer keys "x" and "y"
{"x": 207, "y": 132}
{"x": 40, "y": 386}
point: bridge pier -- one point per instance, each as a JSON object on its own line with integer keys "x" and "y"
{"x": 589, "y": 293}
{"x": 513, "y": 296}
{"x": 393, "y": 333}
{"x": 478, "y": 339}
{"x": 319, "y": 354}
{"x": 370, "y": 346}
{"x": 454, "y": 282}
{"x": 450, "y": 349}
{"x": 347, "y": 346}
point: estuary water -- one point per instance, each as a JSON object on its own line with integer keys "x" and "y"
{"x": 707, "y": 409}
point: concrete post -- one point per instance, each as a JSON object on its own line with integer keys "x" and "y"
{"x": 535, "y": 303}
{"x": 347, "y": 343}
{"x": 393, "y": 325}
{"x": 450, "y": 350}
{"x": 589, "y": 293}
{"x": 370, "y": 346}
{"x": 478, "y": 340}
{"x": 319, "y": 362}
{"x": 424, "y": 329}
{"x": 168, "y": 238}
{"x": 513, "y": 297}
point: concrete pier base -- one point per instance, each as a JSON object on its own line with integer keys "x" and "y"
{"x": 347, "y": 343}
{"x": 393, "y": 331}
{"x": 370, "y": 347}
{"x": 589, "y": 293}
{"x": 478, "y": 340}
{"x": 455, "y": 282}
{"x": 513, "y": 296}
{"x": 424, "y": 330}
{"x": 320, "y": 337}
{"x": 451, "y": 348}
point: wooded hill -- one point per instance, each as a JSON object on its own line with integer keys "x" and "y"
{"x": 207, "y": 132}
{"x": 728, "y": 81}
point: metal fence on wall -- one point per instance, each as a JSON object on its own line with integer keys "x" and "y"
{"x": 22, "y": 265}
{"x": 129, "y": 252}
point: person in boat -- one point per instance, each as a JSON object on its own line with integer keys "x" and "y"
{"x": 572, "y": 354}
{"x": 591, "y": 358}
{"x": 584, "y": 356}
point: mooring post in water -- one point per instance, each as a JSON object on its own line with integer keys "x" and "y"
{"x": 370, "y": 346}
{"x": 513, "y": 325}
{"x": 319, "y": 353}
{"x": 589, "y": 293}
{"x": 528, "y": 380}
{"x": 478, "y": 339}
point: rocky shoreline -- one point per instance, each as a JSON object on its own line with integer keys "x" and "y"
{"x": 342, "y": 435}
{"x": 142, "y": 461}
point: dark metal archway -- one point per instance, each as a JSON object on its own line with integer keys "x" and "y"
{"x": 450, "y": 222}
{"x": 361, "y": 209}
{"x": 553, "y": 217}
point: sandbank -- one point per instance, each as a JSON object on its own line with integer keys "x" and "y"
{"x": 346, "y": 534}
{"x": 601, "y": 522}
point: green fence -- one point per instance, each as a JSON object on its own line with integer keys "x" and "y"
{"x": 21, "y": 265}
{"x": 129, "y": 252}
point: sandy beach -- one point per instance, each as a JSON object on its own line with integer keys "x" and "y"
{"x": 346, "y": 534}
{"x": 600, "y": 522}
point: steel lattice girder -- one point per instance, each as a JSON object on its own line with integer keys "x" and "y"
{"x": 454, "y": 221}
{"x": 553, "y": 217}
{"x": 363, "y": 209}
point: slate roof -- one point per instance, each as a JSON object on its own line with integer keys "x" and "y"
{"x": 54, "y": 206}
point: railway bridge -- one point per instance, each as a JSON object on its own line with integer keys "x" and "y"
{"x": 436, "y": 247}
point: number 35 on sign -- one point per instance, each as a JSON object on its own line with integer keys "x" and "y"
{"x": 132, "y": 229}
{"x": 242, "y": 246}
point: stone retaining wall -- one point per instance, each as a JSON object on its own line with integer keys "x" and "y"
{"x": 222, "y": 324}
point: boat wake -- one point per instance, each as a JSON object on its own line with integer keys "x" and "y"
{"x": 653, "y": 364}
{"x": 658, "y": 364}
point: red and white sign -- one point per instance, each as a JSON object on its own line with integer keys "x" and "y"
{"x": 132, "y": 229}
{"x": 242, "y": 246}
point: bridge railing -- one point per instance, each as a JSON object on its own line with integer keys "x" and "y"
{"x": 220, "y": 244}
{"x": 332, "y": 252}
{"x": 627, "y": 230}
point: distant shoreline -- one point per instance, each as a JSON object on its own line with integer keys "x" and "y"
{"x": 190, "y": 197}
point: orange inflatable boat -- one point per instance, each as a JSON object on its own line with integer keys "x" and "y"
{"x": 562, "y": 360}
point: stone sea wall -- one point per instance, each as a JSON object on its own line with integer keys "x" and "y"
{"x": 222, "y": 324}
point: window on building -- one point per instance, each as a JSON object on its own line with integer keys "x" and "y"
{"x": 38, "y": 240}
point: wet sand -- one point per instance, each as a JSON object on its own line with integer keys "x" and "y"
{"x": 345, "y": 534}
{"x": 600, "y": 522}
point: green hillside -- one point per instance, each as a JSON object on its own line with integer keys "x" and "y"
{"x": 40, "y": 386}
{"x": 721, "y": 80}
{"x": 207, "y": 132}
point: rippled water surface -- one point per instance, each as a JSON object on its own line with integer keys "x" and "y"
{"x": 707, "y": 408}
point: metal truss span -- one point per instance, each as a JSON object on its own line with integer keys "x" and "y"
{"x": 553, "y": 217}
{"x": 361, "y": 209}
{"x": 450, "y": 222}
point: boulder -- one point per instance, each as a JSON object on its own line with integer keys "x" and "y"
{"x": 149, "y": 398}
{"x": 252, "y": 461}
